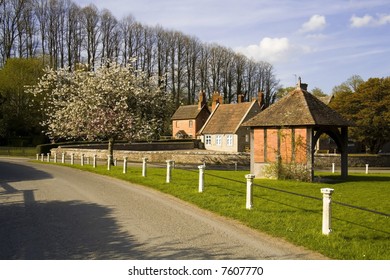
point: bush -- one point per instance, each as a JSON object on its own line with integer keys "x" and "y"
{"x": 288, "y": 171}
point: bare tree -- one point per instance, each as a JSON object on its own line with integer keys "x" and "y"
{"x": 109, "y": 35}
{"x": 11, "y": 13}
{"x": 92, "y": 35}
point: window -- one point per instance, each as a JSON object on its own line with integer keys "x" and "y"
{"x": 190, "y": 124}
{"x": 208, "y": 140}
{"x": 229, "y": 140}
{"x": 218, "y": 140}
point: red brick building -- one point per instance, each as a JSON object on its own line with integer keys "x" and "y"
{"x": 189, "y": 119}
{"x": 288, "y": 131}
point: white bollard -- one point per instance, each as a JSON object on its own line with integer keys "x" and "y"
{"x": 333, "y": 167}
{"x": 41, "y": 157}
{"x": 201, "y": 177}
{"x": 144, "y": 166}
{"x": 48, "y": 157}
{"x": 94, "y": 161}
{"x": 55, "y": 158}
{"x": 72, "y": 158}
{"x": 82, "y": 160}
{"x": 366, "y": 168}
{"x": 124, "y": 165}
{"x": 37, "y": 156}
{"x": 235, "y": 166}
{"x": 249, "y": 194}
{"x": 108, "y": 162}
{"x": 115, "y": 162}
{"x": 326, "y": 210}
{"x": 169, "y": 170}
{"x": 63, "y": 158}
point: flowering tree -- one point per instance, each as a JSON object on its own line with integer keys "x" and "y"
{"x": 113, "y": 102}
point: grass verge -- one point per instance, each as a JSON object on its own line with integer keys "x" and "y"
{"x": 287, "y": 209}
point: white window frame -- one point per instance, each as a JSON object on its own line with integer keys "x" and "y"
{"x": 229, "y": 140}
{"x": 207, "y": 139}
{"x": 218, "y": 140}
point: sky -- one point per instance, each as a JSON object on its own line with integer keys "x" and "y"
{"x": 324, "y": 42}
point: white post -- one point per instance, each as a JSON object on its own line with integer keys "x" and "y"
{"x": 94, "y": 161}
{"x": 144, "y": 166}
{"x": 366, "y": 168}
{"x": 201, "y": 177}
{"x": 41, "y": 157}
{"x": 82, "y": 160}
{"x": 37, "y": 156}
{"x": 333, "y": 167}
{"x": 108, "y": 162}
{"x": 63, "y": 158}
{"x": 55, "y": 158}
{"x": 326, "y": 210}
{"x": 169, "y": 170}
{"x": 48, "y": 157}
{"x": 115, "y": 161}
{"x": 124, "y": 165}
{"x": 235, "y": 166}
{"x": 249, "y": 196}
{"x": 72, "y": 158}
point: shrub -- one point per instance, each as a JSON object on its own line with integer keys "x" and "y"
{"x": 288, "y": 171}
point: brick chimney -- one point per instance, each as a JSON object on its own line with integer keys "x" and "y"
{"x": 217, "y": 99}
{"x": 202, "y": 100}
{"x": 240, "y": 98}
{"x": 260, "y": 99}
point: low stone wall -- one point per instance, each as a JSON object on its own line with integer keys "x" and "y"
{"x": 326, "y": 160}
{"x": 179, "y": 156}
{"x": 197, "y": 156}
{"x": 143, "y": 146}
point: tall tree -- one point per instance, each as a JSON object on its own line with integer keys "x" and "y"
{"x": 92, "y": 35}
{"x": 369, "y": 107}
{"x": 19, "y": 111}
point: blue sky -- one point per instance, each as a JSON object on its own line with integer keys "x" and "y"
{"x": 323, "y": 41}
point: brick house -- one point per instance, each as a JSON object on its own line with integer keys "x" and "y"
{"x": 288, "y": 131}
{"x": 189, "y": 119}
{"x": 223, "y": 130}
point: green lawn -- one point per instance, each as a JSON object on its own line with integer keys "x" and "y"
{"x": 18, "y": 151}
{"x": 288, "y": 209}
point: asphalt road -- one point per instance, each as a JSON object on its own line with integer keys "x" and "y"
{"x": 55, "y": 212}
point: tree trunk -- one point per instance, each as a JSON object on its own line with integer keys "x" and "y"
{"x": 111, "y": 142}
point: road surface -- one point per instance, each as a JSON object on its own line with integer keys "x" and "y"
{"x": 55, "y": 212}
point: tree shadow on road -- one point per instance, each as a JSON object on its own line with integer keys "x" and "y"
{"x": 63, "y": 230}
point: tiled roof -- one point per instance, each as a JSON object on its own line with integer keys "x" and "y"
{"x": 227, "y": 118}
{"x": 298, "y": 108}
{"x": 186, "y": 112}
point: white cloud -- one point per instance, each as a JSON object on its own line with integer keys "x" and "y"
{"x": 361, "y": 21}
{"x": 269, "y": 49}
{"x": 368, "y": 20}
{"x": 315, "y": 23}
